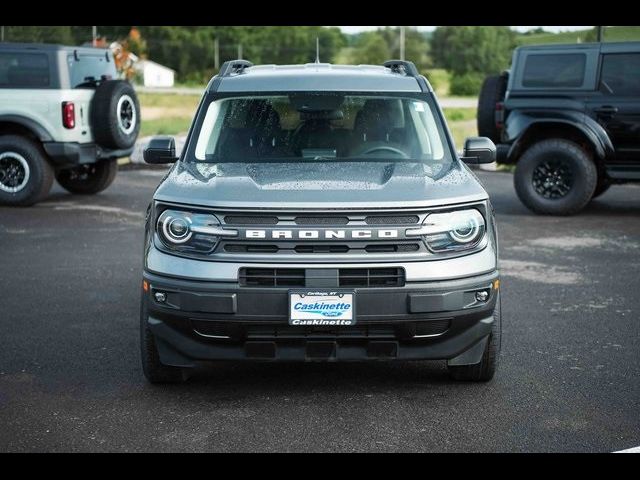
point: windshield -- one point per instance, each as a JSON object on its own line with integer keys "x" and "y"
{"x": 333, "y": 126}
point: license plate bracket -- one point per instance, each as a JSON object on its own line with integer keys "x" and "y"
{"x": 322, "y": 308}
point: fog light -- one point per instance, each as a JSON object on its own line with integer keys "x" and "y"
{"x": 481, "y": 296}
{"x": 162, "y": 297}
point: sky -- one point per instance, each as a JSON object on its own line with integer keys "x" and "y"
{"x": 356, "y": 29}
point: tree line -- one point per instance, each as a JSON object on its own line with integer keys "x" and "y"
{"x": 467, "y": 53}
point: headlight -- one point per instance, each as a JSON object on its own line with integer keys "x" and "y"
{"x": 190, "y": 232}
{"x": 451, "y": 231}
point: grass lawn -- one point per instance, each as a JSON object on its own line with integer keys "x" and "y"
{"x": 165, "y": 126}
{"x": 166, "y": 113}
{"x": 168, "y": 100}
{"x": 462, "y": 123}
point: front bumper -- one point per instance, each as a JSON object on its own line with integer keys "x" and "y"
{"x": 68, "y": 154}
{"x": 204, "y": 320}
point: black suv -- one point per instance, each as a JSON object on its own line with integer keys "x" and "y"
{"x": 568, "y": 116}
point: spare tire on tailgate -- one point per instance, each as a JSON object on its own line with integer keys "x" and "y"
{"x": 115, "y": 115}
{"x": 493, "y": 91}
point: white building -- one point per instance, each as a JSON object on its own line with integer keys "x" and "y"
{"x": 154, "y": 75}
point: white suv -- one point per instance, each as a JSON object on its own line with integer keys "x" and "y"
{"x": 63, "y": 113}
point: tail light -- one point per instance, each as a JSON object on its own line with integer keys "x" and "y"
{"x": 68, "y": 115}
{"x": 499, "y": 115}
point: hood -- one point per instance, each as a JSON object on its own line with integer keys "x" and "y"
{"x": 317, "y": 185}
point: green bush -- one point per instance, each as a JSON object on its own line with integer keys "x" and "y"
{"x": 466, "y": 84}
{"x": 439, "y": 79}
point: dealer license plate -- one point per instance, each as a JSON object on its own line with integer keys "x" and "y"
{"x": 322, "y": 308}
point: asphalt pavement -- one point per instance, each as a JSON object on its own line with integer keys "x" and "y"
{"x": 71, "y": 380}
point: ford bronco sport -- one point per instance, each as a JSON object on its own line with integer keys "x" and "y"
{"x": 319, "y": 213}
{"x": 62, "y": 114}
{"x": 568, "y": 116}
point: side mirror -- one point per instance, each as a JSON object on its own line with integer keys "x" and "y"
{"x": 478, "y": 150}
{"x": 160, "y": 150}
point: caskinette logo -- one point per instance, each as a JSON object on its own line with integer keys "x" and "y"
{"x": 321, "y": 321}
{"x": 322, "y": 308}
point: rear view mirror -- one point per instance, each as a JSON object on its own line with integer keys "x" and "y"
{"x": 478, "y": 150}
{"x": 160, "y": 150}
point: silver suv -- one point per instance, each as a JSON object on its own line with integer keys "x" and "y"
{"x": 63, "y": 114}
{"x": 320, "y": 213}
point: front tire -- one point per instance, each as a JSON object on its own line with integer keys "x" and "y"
{"x": 486, "y": 369}
{"x": 153, "y": 369}
{"x": 555, "y": 177}
{"x": 88, "y": 179}
{"x": 25, "y": 173}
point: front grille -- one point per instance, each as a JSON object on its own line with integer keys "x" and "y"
{"x": 325, "y": 248}
{"x": 371, "y": 277}
{"x": 272, "y": 277}
{"x": 376, "y": 246}
{"x": 347, "y": 277}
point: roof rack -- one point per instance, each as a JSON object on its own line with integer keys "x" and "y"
{"x": 402, "y": 66}
{"x": 234, "y": 66}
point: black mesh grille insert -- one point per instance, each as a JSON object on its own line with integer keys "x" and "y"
{"x": 403, "y": 247}
{"x": 272, "y": 277}
{"x": 371, "y": 277}
{"x": 432, "y": 327}
{"x": 322, "y": 220}
{"x": 391, "y": 220}
{"x": 235, "y": 248}
{"x": 250, "y": 220}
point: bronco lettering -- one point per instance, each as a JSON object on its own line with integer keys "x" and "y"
{"x": 320, "y": 234}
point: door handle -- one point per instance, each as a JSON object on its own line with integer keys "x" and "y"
{"x": 606, "y": 110}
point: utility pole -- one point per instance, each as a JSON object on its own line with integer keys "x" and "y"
{"x": 216, "y": 54}
{"x": 2, "y": 33}
{"x": 401, "y": 43}
{"x": 94, "y": 35}
{"x": 239, "y": 51}
{"x": 600, "y": 31}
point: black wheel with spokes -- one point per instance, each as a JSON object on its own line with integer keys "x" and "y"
{"x": 555, "y": 177}
{"x": 25, "y": 172}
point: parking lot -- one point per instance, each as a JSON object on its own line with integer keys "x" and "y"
{"x": 71, "y": 380}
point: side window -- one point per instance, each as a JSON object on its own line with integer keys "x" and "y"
{"x": 24, "y": 70}
{"x": 621, "y": 74}
{"x": 554, "y": 70}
